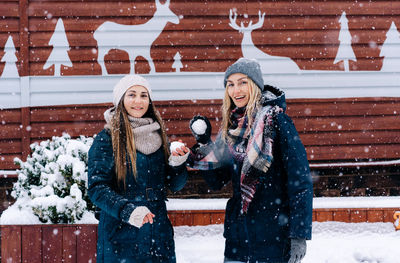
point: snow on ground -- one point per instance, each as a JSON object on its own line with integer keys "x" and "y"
{"x": 332, "y": 242}
{"x": 200, "y": 244}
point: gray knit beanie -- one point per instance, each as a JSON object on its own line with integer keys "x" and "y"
{"x": 248, "y": 67}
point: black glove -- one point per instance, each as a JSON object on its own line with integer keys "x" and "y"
{"x": 204, "y": 137}
{"x": 298, "y": 249}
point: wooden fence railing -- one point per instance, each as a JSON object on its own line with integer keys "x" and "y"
{"x": 77, "y": 243}
{"x": 48, "y": 243}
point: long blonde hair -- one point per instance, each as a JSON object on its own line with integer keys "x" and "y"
{"x": 228, "y": 106}
{"x": 123, "y": 142}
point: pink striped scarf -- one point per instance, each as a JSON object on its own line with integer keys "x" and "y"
{"x": 258, "y": 151}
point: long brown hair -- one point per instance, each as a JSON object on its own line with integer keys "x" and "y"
{"x": 228, "y": 106}
{"x": 123, "y": 142}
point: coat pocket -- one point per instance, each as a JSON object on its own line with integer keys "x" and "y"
{"x": 271, "y": 226}
{"x": 130, "y": 241}
{"x": 234, "y": 230}
{"x": 164, "y": 245}
{"x": 127, "y": 240}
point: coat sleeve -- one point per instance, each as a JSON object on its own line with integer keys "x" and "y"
{"x": 218, "y": 174}
{"x": 217, "y": 178}
{"x": 101, "y": 182}
{"x": 176, "y": 177}
{"x": 299, "y": 181}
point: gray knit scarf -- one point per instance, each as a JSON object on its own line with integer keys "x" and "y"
{"x": 145, "y": 132}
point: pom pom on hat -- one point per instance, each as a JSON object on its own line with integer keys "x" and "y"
{"x": 125, "y": 83}
{"x": 248, "y": 67}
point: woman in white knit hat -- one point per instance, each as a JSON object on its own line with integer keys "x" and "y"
{"x": 130, "y": 166}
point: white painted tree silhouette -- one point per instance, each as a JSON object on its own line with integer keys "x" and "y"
{"x": 10, "y": 69}
{"x": 177, "y": 65}
{"x": 345, "y": 51}
{"x": 59, "y": 54}
{"x": 391, "y": 50}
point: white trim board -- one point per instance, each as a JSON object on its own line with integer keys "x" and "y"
{"x": 63, "y": 90}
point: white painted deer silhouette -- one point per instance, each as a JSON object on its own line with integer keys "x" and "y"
{"x": 268, "y": 63}
{"x": 134, "y": 39}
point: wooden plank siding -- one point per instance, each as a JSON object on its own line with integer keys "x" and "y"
{"x": 333, "y": 130}
{"x": 309, "y": 26}
{"x": 304, "y": 34}
{"x": 354, "y": 215}
{"x": 48, "y": 243}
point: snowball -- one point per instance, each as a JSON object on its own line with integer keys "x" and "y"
{"x": 199, "y": 126}
{"x": 175, "y": 145}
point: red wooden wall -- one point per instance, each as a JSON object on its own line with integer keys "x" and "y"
{"x": 307, "y": 31}
{"x": 333, "y": 130}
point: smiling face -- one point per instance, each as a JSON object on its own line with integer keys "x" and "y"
{"x": 136, "y": 101}
{"x": 238, "y": 89}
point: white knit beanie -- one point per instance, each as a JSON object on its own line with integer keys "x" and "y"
{"x": 125, "y": 83}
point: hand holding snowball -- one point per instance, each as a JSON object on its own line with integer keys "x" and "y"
{"x": 179, "y": 153}
{"x": 201, "y": 129}
{"x": 178, "y": 148}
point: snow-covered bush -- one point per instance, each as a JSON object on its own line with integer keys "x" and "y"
{"x": 52, "y": 183}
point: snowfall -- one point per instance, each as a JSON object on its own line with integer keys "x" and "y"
{"x": 332, "y": 242}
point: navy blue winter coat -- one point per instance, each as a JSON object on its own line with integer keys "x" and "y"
{"x": 118, "y": 241}
{"x": 282, "y": 206}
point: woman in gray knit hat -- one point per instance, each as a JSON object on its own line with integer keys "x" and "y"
{"x": 130, "y": 166}
{"x": 269, "y": 217}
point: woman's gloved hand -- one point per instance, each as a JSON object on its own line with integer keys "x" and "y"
{"x": 201, "y": 129}
{"x": 140, "y": 216}
{"x": 298, "y": 249}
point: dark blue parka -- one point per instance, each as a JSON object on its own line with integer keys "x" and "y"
{"x": 282, "y": 206}
{"x": 118, "y": 241}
